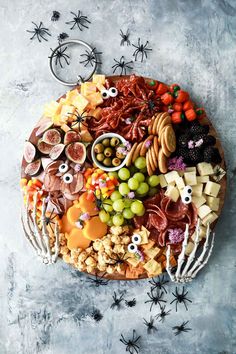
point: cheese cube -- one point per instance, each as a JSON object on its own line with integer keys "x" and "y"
{"x": 198, "y": 201}
{"x": 197, "y": 190}
{"x": 191, "y": 169}
{"x": 134, "y": 261}
{"x": 173, "y": 193}
{"x": 87, "y": 88}
{"x": 181, "y": 173}
{"x": 152, "y": 252}
{"x": 212, "y": 188}
{"x": 80, "y": 102}
{"x": 99, "y": 79}
{"x": 189, "y": 248}
{"x": 180, "y": 183}
{"x": 210, "y": 218}
{"x": 70, "y": 95}
{"x": 203, "y": 179}
{"x": 163, "y": 182}
{"x": 203, "y": 211}
{"x": 190, "y": 178}
{"x": 153, "y": 267}
{"x": 51, "y": 109}
{"x": 95, "y": 99}
{"x": 171, "y": 183}
{"x": 213, "y": 203}
{"x": 100, "y": 87}
{"x": 67, "y": 113}
{"x": 219, "y": 173}
{"x": 205, "y": 169}
{"x": 202, "y": 233}
{"x": 171, "y": 176}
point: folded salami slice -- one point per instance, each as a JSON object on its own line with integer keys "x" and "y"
{"x": 158, "y": 220}
{"x": 174, "y": 210}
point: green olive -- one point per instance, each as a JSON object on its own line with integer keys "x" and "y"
{"x": 98, "y": 148}
{"x": 116, "y": 161}
{"x": 100, "y": 157}
{"x": 114, "y": 141}
{"x": 108, "y": 152}
{"x": 106, "y": 142}
{"x": 107, "y": 161}
{"x": 120, "y": 155}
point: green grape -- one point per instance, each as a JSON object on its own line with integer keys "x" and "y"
{"x": 140, "y": 195}
{"x": 152, "y": 191}
{"x": 133, "y": 183}
{"x": 110, "y": 222}
{"x": 118, "y": 219}
{"x": 153, "y": 180}
{"x": 140, "y": 162}
{"x": 128, "y": 214}
{"x": 115, "y": 196}
{"x": 124, "y": 189}
{"x": 143, "y": 188}
{"x": 144, "y": 170}
{"x": 104, "y": 216}
{"x": 141, "y": 213}
{"x": 139, "y": 176}
{"x": 124, "y": 174}
{"x": 132, "y": 169}
{"x": 113, "y": 173}
{"x": 127, "y": 202}
{"x": 107, "y": 205}
{"x": 137, "y": 207}
{"x": 118, "y": 205}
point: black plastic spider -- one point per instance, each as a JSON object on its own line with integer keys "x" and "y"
{"x": 98, "y": 280}
{"x": 122, "y": 65}
{"x": 55, "y": 16}
{"x": 218, "y": 173}
{"x": 159, "y": 283}
{"x": 39, "y": 32}
{"x": 96, "y": 315}
{"x": 130, "y": 303}
{"x": 90, "y": 57}
{"x": 181, "y": 328}
{"x": 101, "y": 203}
{"x": 124, "y": 37}
{"x": 60, "y": 54}
{"x": 120, "y": 259}
{"x": 78, "y": 20}
{"x": 131, "y": 344}
{"x": 62, "y": 36}
{"x": 162, "y": 314}
{"x": 141, "y": 49}
{"x": 155, "y": 298}
{"x": 180, "y": 297}
{"x": 49, "y": 220}
{"x": 150, "y": 325}
{"x": 117, "y": 301}
{"x": 80, "y": 119}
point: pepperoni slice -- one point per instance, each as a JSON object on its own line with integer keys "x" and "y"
{"x": 174, "y": 210}
{"x": 158, "y": 220}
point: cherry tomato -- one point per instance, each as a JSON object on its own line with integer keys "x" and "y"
{"x": 174, "y": 88}
{"x": 177, "y": 117}
{"x": 190, "y": 115}
{"x": 152, "y": 85}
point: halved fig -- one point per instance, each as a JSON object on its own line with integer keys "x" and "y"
{"x": 71, "y": 136}
{"x": 44, "y": 125}
{"x": 52, "y": 136}
{"x": 43, "y": 147}
{"x": 56, "y": 151}
{"x": 29, "y": 152}
{"x": 33, "y": 168}
{"x": 76, "y": 152}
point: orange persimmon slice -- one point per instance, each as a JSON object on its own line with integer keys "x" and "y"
{"x": 94, "y": 228}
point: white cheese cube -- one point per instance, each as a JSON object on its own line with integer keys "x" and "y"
{"x": 204, "y": 169}
{"x": 163, "y": 182}
{"x": 181, "y": 173}
{"x": 190, "y": 178}
{"x": 173, "y": 193}
{"x": 197, "y": 190}
{"x": 203, "y": 179}
{"x": 213, "y": 203}
{"x": 203, "y": 211}
{"x": 198, "y": 201}
{"x": 202, "y": 233}
{"x": 191, "y": 169}
{"x": 210, "y": 218}
{"x": 189, "y": 248}
{"x": 212, "y": 188}
{"x": 180, "y": 183}
{"x": 171, "y": 183}
{"x": 171, "y": 176}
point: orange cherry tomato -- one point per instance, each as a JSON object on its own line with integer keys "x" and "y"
{"x": 177, "y": 117}
{"x": 167, "y": 98}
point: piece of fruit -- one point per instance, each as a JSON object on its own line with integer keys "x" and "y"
{"x": 153, "y": 180}
{"x": 124, "y": 174}
{"x": 76, "y": 152}
{"x": 98, "y": 148}
{"x": 118, "y": 205}
{"x": 43, "y": 147}
{"x": 113, "y": 174}
{"x": 29, "y": 152}
{"x": 143, "y": 188}
{"x": 133, "y": 183}
{"x": 118, "y": 219}
{"x": 52, "y": 136}
{"x": 44, "y": 125}
{"x": 137, "y": 207}
{"x": 128, "y": 214}
{"x": 71, "y": 136}
{"x": 115, "y": 196}
{"x": 56, "y": 151}
{"x": 141, "y": 213}
{"x": 140, "y": 162}
{"x": 190, "y": 114}
{"x": 139, "y": 176}
{"x": 33, "y": 168}
{"x": 152, "y": 191}
{"x": 124, "y": 189}
{"x": 127, "y": 202}
{"x": 86, "y": 205}
{"x": 177, "y": 107}
{"x": 161, "y": 89}
{"x": 104, "y": 216}
{"x": 94, "y": 228}
{"x": 107, "y": 205}
{"x": 188, "y": 105}
{"x": 177, "y": 117}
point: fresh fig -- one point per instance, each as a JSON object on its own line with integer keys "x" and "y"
{"x": 71, "y": 136}
{"x": 44, "y": 125}
{"x": 76, "y": 152}
{"x": 43, "y": 147}
{"x": 29, "y": 152}
{"x": 56, "y": 151}
{"x": 52, "y": 136}
{"x": 33, "y": 168}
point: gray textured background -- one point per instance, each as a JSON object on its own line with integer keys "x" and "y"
{"x": 46, "y": 310}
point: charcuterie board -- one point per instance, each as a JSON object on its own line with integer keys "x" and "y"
{"x": 113, "y": 159}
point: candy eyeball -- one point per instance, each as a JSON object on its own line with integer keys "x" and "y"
{"x": 105, "y": 94}
{"x": 67, "y": 178}
{"x": 186, "y": 199}
{"x": 187, "y": 190}
{"x": 136, "y": 239}
{"x": 132, "y": 248}
{"x": 113, "y": 92}
{"x": 63, "y": 168}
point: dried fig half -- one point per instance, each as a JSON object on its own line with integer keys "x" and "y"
{"x": 52, "y": 136}
{"x": 29, "y": 152}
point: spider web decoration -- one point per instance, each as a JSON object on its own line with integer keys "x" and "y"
{"x": 131, "y": 344}
{"x": 180, "y": 298}
{"x": 55, "y": 16}
{"x": 39, "y": 32}
{"x": 79, "y": 20}
{"x": 122, "y": 65}
{"x": 60, "y": 54}
{"x": 62, "y": 36}
{"x": 90, "y": 57}
{"x": 141, "y": 50}
{"x": 125, "y": 37}
{"x": 181, "y": 328}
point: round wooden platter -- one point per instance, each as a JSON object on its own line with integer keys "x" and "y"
{"x": 222, "y": 182}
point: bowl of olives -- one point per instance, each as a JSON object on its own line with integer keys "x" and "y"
{"x": 106, "y": 152}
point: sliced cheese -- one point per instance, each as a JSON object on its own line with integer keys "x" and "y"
{"x": 172, "y": 192}
{"x": 190, "y": 178}
{"x": 197, "y": 190}
{"x": 203, "y": 211}
{"x": 213, "y": 203}
{"x": 212, "y": 188}
{"x": 205, "y": 169}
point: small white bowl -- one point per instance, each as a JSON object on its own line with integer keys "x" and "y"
{"x": 98, "y": 140}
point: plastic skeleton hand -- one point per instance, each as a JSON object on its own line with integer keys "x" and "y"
{"x": 39, "y": 238}
{"x": 186, "y": 273}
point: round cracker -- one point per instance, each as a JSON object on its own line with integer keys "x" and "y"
{"x": 155, "y": 146}
{"x": 154, "y": 127}
{"x": 154, "y": 158}
{"x": 161, "y": 117}
{"x": 144, "y": 148}
{"x": 129, "y": 157}
{"x": 137, "y": 152}
{"x": 151, "y": 159}
{"x": 166, "y": 120}
{"x": 162, "y": 161}
{"x": 170, "y": 138}
{"x": 149, "y": 169}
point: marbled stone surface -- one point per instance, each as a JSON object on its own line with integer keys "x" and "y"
{"x": 47, "y": 309}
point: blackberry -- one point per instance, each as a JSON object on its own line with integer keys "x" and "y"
{"x": 195, "y": 155}
{"x": 211, "y": 154}
{"x": 209, "y": 140}
{"x": 183, "y": 140}
{"x": 197, "y": 128}
{"x": 184, "y": 153}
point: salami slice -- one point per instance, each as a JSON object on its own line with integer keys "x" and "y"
{"x": 158, "y": 220}
{"x": 174, "y": 210}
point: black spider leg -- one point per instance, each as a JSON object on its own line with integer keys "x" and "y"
{"x": 162, "y": 314}
{"x": 79, "y": 21}
{"x": 131, "y": 343}
{"x": 98, "y": 280}
{"x": 150, "y": 325}
{"x": 159, "y": 283}
{"x": 181, "y": 328}
{"x": 130, "y": 303}
{"x": 141, "y": 49}
{"x": 124, "y": 37}
{"x": 180, "y": 297}
{"x": 117, "y": 301}
{"x": 122, "y": 65}
{"x": 155, "y": 298}
{"x": 39, "y": 31}
{"x": 90, "y": 57}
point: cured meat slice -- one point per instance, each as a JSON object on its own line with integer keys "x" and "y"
{"x": 158, "y": 220}
{"x": 174, "y": 210}
{"x": 140, "y": 220}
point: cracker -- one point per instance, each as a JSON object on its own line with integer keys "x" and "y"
{"x": 149, "y": 169}
{"x": 161, "y": 117}
{"x": 162, "y": 161}
{"x": 166, "y": 120}
{"x": 151, "y": 158}
{"x": 144, "y": 148}
{"x": 130, "y": 154}
{"x": 170, "y": 138}
{"x": 137, "y": 152}
{"x": 154, "y": 158}
{"x": 155, "y": 146}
